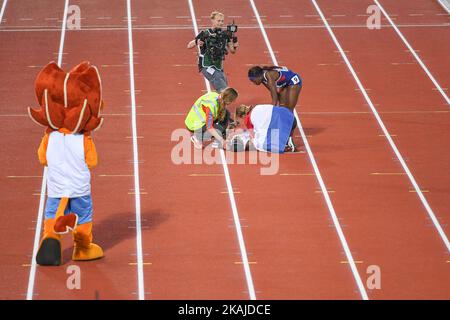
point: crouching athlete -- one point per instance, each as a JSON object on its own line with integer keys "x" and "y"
{"x": 284, "y": 85}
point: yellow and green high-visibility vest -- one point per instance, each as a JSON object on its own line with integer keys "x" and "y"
{"x": 196, "y": 117}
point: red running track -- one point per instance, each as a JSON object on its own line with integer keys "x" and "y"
{"x": 386, "y": 225}
{"x": 190, "y": 247}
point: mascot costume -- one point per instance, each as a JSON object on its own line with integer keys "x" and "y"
{"x": 70, "y": 105}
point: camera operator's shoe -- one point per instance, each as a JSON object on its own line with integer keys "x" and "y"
{"x": 197, "y": 143}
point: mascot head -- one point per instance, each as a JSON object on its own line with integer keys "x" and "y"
{"x": 69, "y": 102}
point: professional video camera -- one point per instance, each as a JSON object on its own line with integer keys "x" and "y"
{"x": 231, "y": 30}
{"x": 216, "y": 41}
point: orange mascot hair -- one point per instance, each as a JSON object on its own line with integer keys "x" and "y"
{"x": 70, "y": 101}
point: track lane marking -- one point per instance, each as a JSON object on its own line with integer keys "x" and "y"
{"x": 327, "y": 191}
{"x": 237, "y": 223}
{"x": 325, "y": 113}
{"x": 115, "y": 175}
{"x": 143, "y": 263}
{"x": 422, "y": 190}
{"x": 387, "y": 174}
{"x": 46, "y": 28}
{"x": 2, "y": 11}
{"x": 137, "y": 191}
{"x": 386, "y": 132}
{"x": 37, "y": 234}
{"x": 22, "y": 177}
{"x": 330, "y": 206}
{"x": 444, "y": 7}
{"x": 416, "y": 56}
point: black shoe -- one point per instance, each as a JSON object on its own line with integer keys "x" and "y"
{"x": 49, "y": 253}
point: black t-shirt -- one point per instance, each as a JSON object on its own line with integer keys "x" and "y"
{"x": 214, "y": 48}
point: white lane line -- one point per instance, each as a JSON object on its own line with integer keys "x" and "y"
{"x": 402, "y": 63}
{"x": 323, "y": 187}
{"x": 184, "y": 27}
{"x": 139, "y": 258}
{"x": 237, "y": 223}
{"x": 21, "y": 177}
{"x": 325, "y": 113}
{"x": 3, "y": 10}
{"x": 424, "y": 67}
{"x": 37, "y": 234}
{"x": 386, "y": 133}
{"x": 444, "y": 5}
{"x": 63, "y": 34}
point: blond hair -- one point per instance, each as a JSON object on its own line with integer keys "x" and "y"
{"x": 215, "y": 13}
{"x": 228, "y": 96}
{"x": 241, "y": 111}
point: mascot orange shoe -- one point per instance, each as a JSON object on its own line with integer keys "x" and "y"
{"x": 70, "y": 105}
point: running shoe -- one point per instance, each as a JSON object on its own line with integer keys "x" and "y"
{"x": 291, "y": 145}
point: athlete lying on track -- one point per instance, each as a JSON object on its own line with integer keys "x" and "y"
{"x": 263, "y": 127}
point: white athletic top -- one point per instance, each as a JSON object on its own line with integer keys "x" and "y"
{"x": 68, "y": 173}
{"x": 260, "y": 117}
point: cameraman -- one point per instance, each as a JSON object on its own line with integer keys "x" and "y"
{"x": 214, "y": 44}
